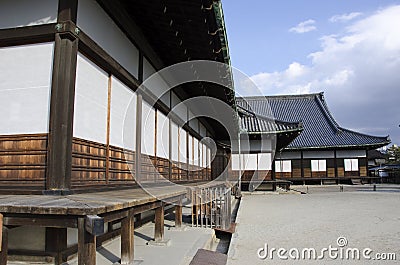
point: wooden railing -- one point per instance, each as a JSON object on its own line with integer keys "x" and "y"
{"x": 211, "y": 206}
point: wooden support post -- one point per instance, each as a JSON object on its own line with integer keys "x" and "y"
{"x": 59, "y": 151}
{"x": 127, "y": 239}
{"x": 159, "y": 224}
{"x": 86, "y": 245}
{"x": 4, "y": 245}
{"x": 1, "y": 229}
{"x": 56, "y": 242}
{"x": 178, "y": 216}
{"x": 138, "y": 154}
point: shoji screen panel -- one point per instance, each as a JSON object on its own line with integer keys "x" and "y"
{"x": 90, "y": 124}
{"x": 122, "y": 132}
{"x": 162, "y": 148}
{"x": 25, "y": 74}
{"x": 149, "y": 163}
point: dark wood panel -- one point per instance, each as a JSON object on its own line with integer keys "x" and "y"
{"x": 122, "y": 164}
{"x": 88, "y": 162}
{"x": 23, "y": 158}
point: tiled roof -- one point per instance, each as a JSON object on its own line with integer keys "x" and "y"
{"x": 252, "y": 123}
{"x": 320, "y": 128}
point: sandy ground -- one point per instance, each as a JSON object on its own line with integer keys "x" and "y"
{"x": 316, "y": 220}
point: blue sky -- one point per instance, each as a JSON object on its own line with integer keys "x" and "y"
{"x": 348, "y": 49}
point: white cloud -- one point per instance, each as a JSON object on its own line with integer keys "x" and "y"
{"x": 358, "y": 70}
{"x": 305, "y": 26}
{"x": 345, "y": 17}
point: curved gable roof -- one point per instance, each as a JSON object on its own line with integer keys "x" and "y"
{"x": 320, "y": 128}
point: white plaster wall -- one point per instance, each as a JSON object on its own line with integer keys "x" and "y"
{"x": 162, "y": 135}
{"x": 318, "y": 165}
{"x": 235, "y": 158}
{"x": 174, "y": 142}
{"x": 196, "y": 151}
{"x": 191, "y": 161}
{"x": 182, "y": 145}
{"x": 148, "y": 129}
{"x": 123, "y": 116}
{"x": 95, "y": 22}
{"x": 350, "y": 153}
{"x": 178, "y": 108}
{"x": 283, "y": 166}
{"x": 288, "y": 155}
{"x": 249, "y": 161}
{"x": 318, "y": 154}
{"x": 91, "y": 100}
{"x": 20, "y": 13}
{"x": 351, "y": 164}
{"x": 264, "y": 161}
{"x": 25, "y": 84}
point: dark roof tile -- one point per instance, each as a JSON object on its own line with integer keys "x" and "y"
{"x": 320, "y": 128}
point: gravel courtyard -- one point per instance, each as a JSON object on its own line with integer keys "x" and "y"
{"x": 359, "y": 217}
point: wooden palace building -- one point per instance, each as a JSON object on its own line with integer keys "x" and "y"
{"x": 69, "y": 77}
{"x": 319, "y": 150}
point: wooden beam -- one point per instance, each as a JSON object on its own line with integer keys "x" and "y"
{"x": 127, "y": 239}
{"x": 59, "y": 153}
{"x": 27, "y": 35}
{"x": 4, "y": 246}
{"x": 159, "y": 224}
{"x": 86, "y": 245}
{"x": 45, "y": 221}
{"x": 56, "y": 242}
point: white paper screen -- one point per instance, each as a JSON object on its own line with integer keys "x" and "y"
{"x": 174, "y": 142}
{"x": 123, "y": 116}
{"x": 91, "y": 102}
{"x": 318, "y": 165}
{"x": 25, "y": 74}
{"x": 235, "y": 161}
{"x": 148, "y": 129}
{"x": 182, "y": 146}
{"x": 162, "y": 135}
{"x": 351, "y": 165}
{"x": 250, "y": 161}
{"x": 264, "y": 161}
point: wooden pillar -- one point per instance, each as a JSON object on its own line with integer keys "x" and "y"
{"x": 335, "y": 165}
{"x": 138, "y": 158}
{"x": 159, "y": 224}
{"x": 3, "y": 242}
{"x": 178, "y": 216}
{"x": 4, "y": 246}
{"x": 170, "y": 149}
{"x": 86, "y": 245}
{"x": 127, "y": 239}
{"x": 56, "y": 242}
{"x": 59, "y": 151}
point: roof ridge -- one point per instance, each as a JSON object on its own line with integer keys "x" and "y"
{"x": 310, "y": 95}
{"x": 324, "y": 107}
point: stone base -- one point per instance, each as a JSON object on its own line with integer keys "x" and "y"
{"x": 163, "y": 243}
